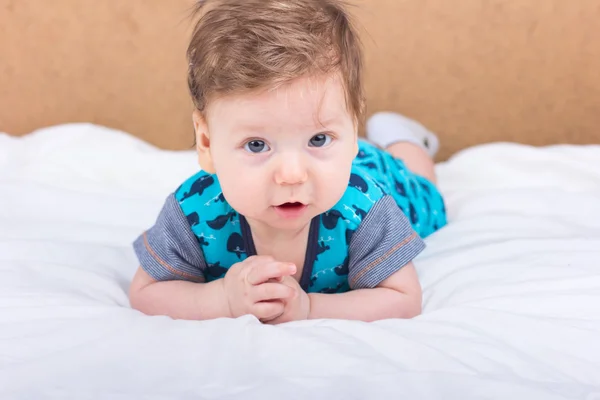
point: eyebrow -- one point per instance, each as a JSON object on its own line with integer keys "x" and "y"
{"x": 328, "y": 121}
{"x": 255, "y": 127}
{"x": 249, "y": 127}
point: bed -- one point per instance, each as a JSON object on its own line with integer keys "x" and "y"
{"x": 511, "y": 286}
{"x": 97, "y": 130}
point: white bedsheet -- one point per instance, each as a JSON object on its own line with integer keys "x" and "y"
{"x": 511, "y": 287}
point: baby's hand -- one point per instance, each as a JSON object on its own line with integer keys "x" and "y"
{"x": 296, "y": 308}
{"x": 251, "y": 287}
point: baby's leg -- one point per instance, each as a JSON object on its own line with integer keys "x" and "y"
{"x": 405, "y": 139}
{"x": 415, "y": 158}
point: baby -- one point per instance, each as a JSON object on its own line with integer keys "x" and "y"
{"x": 292, "y": 217}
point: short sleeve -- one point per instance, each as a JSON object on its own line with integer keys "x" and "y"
{"x": 384, "y": 242}
{"x": 169, "y": 250}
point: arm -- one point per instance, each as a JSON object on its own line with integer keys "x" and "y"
{"x": 170, "y": 280}
{"x": 178, "y": 299}
{"x": 381, "y": 274}
{"x": 249, "y": 287}
{"x": 398, "y": 296}
{"x": 382, "y": 277}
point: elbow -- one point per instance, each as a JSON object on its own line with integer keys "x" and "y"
{"x": 139, "y": 299}
{"x": 136, "y": 298}
{"x": 414, "y": 309}
{"x": 407, "y": 305}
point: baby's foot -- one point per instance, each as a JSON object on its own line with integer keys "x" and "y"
{"x": 387, "y": 128}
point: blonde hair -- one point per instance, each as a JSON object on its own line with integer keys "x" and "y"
{"x": 239, "y": 46}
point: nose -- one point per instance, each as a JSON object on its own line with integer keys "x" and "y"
{"x": 291, "y": 170}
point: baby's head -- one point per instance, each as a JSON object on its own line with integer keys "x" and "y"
{"x": 277, "y": 86}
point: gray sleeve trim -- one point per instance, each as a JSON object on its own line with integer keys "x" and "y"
{"x": 384, "y": 242}
{"x": 169, "y": 250}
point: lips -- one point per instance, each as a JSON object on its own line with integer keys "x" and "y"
{"x": 291, "y": 205}
{"x": 290, "y": 209}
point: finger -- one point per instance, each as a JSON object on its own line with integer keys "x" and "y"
{"x": 268, "y": 310}
{"x": 258, "y": 259}
{"x": 271, "y": 291}
{"x": 261, "y": 273}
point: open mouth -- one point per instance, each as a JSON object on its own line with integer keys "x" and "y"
{"x": 290, "y": 210}
{"x": 290, "y": 206}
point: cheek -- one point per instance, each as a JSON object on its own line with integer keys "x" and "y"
{"x": 337, "y": 179}
{"x": 241, "y": 192}
{"x": 333, "y": 180}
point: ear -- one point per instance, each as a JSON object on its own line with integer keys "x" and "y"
{"x": 203, "y": 142}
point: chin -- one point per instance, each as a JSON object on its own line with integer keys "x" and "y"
{"x": 290, "y": 226}
{"x": 279, "y": 222}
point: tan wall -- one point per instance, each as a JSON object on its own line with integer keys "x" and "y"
{"x": 473, "y": 70}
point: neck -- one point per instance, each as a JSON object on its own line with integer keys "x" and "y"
{"x": 262, "y": 234}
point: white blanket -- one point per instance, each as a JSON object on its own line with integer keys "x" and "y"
{"x": 511, "y": 287}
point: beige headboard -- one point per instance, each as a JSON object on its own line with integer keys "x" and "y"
{"x": 473, "y": 70}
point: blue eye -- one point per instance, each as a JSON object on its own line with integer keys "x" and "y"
{"x": 320, "y": 140}
{"x": 256, "y": 146}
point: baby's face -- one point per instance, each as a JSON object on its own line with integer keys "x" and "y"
{"x": 283, "y": 156}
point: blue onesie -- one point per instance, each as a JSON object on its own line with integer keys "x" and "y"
{"x": 374, "y": 230}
